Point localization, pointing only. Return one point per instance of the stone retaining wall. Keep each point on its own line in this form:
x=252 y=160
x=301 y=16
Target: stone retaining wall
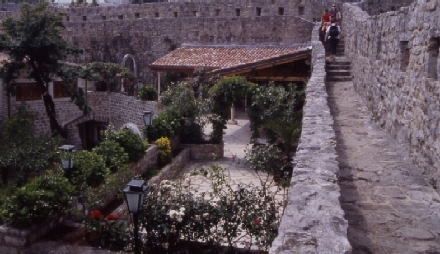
x=205 y=151
x=396 y=68
x=313 y=221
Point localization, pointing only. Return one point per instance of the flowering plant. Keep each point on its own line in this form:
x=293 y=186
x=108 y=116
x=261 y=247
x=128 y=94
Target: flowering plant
x=105 y=231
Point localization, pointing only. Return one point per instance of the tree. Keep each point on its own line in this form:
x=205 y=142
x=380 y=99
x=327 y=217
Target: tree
x=34 y=41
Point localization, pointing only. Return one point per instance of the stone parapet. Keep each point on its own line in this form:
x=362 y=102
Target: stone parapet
x=173 y=169
x=313 y=220
x=395 y=66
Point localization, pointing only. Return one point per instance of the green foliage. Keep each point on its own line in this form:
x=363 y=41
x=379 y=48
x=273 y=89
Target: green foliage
x=132 y=143
x=167 y=124
x=165 y=155
x=41 y=199
x=89 y=170
x=107 y=76
x=285 y=135
x=222 y=95
x=21 y=149
x=147 y=93
x=107 y=232
x=114 y=155
x=275 y=103
x=227 y=214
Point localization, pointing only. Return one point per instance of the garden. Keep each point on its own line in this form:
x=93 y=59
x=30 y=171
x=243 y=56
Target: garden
x=175 y=218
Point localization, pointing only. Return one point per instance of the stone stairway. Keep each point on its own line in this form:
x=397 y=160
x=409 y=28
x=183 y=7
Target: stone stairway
x=340 y=69
x=389 y=205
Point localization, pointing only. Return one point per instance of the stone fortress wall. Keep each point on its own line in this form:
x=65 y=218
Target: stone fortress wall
x=396 y=68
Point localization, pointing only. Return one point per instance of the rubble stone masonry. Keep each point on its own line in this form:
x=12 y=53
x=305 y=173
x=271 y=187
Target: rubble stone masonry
x=396 y=68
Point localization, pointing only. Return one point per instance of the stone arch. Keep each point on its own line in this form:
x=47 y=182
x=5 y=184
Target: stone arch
x=73 y=128
x=124 y=61
x=133 y=128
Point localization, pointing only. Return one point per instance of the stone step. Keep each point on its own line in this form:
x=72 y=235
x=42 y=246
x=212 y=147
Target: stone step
x=338 y=73
x=339 y=79
x=330 y=66
x=337 y=62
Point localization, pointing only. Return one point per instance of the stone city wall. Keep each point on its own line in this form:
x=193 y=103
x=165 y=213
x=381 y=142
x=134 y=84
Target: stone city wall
x=375 y=7
x=396 y=67
x=313 y=220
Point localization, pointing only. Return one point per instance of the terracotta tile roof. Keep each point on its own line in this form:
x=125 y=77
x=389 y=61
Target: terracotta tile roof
x=222 y=57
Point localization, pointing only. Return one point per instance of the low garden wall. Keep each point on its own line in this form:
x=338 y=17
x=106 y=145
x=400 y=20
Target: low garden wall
x=205 y=151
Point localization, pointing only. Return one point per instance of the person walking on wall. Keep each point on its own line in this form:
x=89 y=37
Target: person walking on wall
x=332 y=38
x=325 y=17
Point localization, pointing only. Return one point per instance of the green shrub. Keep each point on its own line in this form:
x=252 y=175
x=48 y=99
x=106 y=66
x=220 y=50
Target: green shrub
x=165 y=156
x=132 y=144
x=114 y=155
x=147 y=93
x=89 y=168
x=167 y=124
x=42 y=198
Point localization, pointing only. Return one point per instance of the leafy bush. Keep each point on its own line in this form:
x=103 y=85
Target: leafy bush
x=226 y=215
x=147 y=93
x=42 y=198
x=89 y=169
x=132 y=143
x=167 y=124
x=165 y=155
x=105 y=231
x=113 y=154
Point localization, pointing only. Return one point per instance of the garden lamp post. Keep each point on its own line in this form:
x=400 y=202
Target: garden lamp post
x=67 y=153
x=148 y=120
x=134 y=196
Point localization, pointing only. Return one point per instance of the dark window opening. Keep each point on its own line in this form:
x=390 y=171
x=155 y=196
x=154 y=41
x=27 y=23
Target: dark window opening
x=67 y=18
x=175 y=14
x=104 y=17
x=217 y=12
x=393 y=8
x=237 y=12
x=84 y=18
x=120 y=17
x=281 y=11
x=301 y=10
x=433 y=53
x=27 y=92
x=195 y=13
x=156 y=14
x=258 y=11
x=137 y=15
x=404 y=55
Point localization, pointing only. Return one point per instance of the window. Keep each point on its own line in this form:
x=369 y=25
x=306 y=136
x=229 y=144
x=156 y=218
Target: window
x=120 y=17
x=301 y=10
x=60 y=90
x=217 y=12
x=258 y=11
x=67 y=18
x=84 y=18
x=137 y=15
x=175 y=14
x=237 y=12
x=103 y=17
x=404 y=55
x=433 y=52
x=28 y=92
x=156 y=14
x=281 y=11
x=195 y=13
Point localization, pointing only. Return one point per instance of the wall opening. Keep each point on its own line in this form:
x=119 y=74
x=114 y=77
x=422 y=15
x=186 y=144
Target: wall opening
x=217 y=12
x=103 y=17
x=301 y=10
x=237 y=12
x=67 y=18
x=137 y=15
x=258 y=11
x=84 y=18
x=195 y=13
x=404 y=55
x=175 y=14
x=156 y=14
x=433 y=59
x=281 y=11
x=120 y=17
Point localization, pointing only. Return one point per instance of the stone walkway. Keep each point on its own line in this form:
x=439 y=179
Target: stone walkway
x=390 y=207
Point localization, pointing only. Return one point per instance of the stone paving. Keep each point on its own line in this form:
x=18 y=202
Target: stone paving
x=389 y=205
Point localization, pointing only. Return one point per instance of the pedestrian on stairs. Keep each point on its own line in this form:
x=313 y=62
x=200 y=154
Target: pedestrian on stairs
x=332 y=39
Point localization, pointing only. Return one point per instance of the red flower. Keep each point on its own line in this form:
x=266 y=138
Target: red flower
x=112 y=217
x=257 y=221
x=96 y=214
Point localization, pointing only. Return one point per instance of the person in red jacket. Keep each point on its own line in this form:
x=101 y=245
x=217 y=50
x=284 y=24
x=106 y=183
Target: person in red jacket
x=325 y=16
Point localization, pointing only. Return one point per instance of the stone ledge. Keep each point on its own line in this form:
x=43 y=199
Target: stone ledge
x=313 y=220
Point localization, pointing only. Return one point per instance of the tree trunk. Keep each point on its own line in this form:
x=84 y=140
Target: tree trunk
x=51 y=113
x=5 y=173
